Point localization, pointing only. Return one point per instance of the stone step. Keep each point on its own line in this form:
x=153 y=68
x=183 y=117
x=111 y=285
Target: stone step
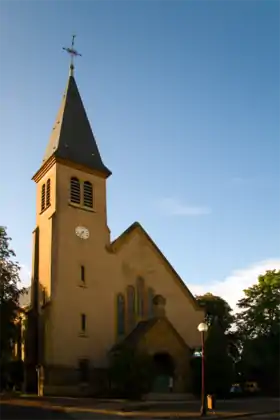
x=168 y=396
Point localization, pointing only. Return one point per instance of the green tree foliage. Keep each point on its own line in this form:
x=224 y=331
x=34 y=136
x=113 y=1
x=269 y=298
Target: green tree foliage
x=260 y=307
x=219 y=365
x=131 y=373
x=216 y=310
x=220 y=349
x=9 y=296
x=259 y=328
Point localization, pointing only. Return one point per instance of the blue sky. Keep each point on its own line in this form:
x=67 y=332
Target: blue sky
x=183 y=97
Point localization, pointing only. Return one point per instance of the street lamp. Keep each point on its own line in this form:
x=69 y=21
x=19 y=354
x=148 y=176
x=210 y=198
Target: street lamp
x=202 y=328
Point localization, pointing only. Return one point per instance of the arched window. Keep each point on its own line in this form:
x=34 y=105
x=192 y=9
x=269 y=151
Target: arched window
x=120 y=315
x=43 y=197
x=151 y=294
x=75 y=191
x=88 y=198
x=131 y=306
x=48 y=193
x=140 y=296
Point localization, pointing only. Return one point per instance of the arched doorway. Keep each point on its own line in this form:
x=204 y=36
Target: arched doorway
x=164 y=369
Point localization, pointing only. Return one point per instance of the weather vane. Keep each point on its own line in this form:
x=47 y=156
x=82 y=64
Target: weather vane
x=73 y=53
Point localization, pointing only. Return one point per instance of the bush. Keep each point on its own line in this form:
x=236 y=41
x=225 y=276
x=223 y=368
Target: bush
x=131 y=373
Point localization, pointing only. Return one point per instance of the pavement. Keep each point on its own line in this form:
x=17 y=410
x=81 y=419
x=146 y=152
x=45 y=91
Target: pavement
x=10 y=412
x=87 y=408
x=272 y=416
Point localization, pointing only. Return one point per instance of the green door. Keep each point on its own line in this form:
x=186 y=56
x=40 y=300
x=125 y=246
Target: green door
x=161 y=384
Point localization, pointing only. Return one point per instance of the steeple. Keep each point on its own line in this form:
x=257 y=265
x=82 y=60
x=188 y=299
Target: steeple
x=72 y=138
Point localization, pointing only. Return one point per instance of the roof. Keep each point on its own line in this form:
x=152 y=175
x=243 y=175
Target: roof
x=124 y=237
x=141 y=329
x=72 y=138
x=132 y=339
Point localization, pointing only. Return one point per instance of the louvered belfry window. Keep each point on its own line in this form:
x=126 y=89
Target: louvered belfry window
x=88 y=194
x=48 y=193
x=75 y=191
x=43 y=197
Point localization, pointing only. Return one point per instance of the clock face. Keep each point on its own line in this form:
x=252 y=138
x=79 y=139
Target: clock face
x=82 y=232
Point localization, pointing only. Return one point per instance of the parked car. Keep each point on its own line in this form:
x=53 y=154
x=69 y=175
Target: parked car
x=251 y=387
x=236 y=389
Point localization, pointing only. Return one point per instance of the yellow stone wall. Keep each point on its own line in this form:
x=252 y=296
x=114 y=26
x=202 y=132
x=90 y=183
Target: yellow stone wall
x=109 y=271
x=162 y=339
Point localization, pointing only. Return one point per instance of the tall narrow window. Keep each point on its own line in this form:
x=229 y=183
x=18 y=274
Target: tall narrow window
x=75 y=191
x=48 y=193
x=88 y=196
x=83 y=279
x=43 y=197
x=83 y=322
x=120 y=314
x=140 y=297
x=131 y=306
x=151 y=294
x=84 y=370
x=43 y=296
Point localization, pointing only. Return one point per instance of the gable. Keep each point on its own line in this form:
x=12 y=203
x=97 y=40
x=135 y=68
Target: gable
x=164 y=334
x=130 y=233
x=152 y=328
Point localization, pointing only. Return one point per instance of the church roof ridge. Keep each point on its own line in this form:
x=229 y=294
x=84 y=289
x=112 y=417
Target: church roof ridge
x=117 y=244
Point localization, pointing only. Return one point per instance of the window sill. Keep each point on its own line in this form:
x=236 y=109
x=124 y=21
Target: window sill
x=46 y=208
x=79 y=206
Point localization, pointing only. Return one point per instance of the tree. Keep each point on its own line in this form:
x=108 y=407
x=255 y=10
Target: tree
x=259 y=327
x=9 y=297
x=131 y=372
x=260 y=307
x=216 y=310
x=220 y=349
x=218 y=362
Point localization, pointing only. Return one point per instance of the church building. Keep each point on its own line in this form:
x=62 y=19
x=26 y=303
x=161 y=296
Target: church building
x=89 y=293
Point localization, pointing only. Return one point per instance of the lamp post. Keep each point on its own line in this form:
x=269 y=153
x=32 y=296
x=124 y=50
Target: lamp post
x=202 y=328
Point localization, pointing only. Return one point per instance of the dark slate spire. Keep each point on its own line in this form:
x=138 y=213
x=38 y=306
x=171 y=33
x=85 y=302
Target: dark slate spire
x=72 y=138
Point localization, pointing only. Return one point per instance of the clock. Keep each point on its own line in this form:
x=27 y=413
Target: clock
x=82 y=232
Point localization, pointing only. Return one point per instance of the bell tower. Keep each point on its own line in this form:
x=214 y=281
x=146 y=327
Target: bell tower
x=71 y=235
x=71 y=185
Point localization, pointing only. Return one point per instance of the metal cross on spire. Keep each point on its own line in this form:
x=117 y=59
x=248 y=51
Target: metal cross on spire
x=73 y=53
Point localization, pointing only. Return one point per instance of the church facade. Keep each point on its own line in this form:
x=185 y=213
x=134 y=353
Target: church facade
x=88 y=292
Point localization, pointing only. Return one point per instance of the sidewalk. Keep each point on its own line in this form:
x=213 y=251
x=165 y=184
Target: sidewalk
x=145 y=409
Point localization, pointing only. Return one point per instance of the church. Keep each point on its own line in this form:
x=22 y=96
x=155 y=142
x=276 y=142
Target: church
x=89 y=293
